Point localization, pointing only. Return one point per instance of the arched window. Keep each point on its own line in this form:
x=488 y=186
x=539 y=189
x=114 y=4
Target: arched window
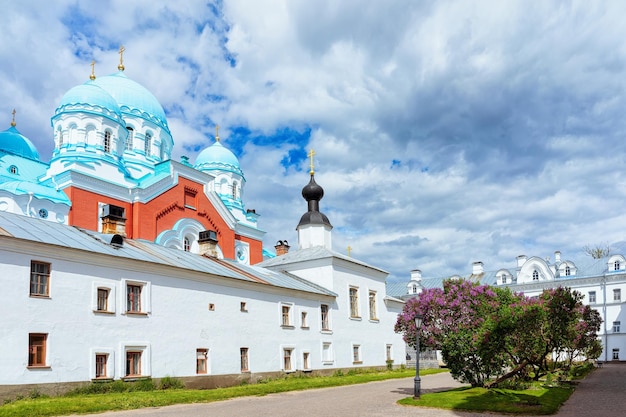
x=504 y=278
x=617 y=265
x=535 y=275
x=186 y=244
x=148 y=144
x=107 y=141
x=13 y=169
x=568 y=271
x=414 y=288
x=129 y=138
x=162 y=151
x=234 y=190
x=60 y=134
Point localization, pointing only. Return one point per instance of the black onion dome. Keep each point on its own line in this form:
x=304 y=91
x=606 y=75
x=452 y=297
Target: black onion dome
x=313 y=193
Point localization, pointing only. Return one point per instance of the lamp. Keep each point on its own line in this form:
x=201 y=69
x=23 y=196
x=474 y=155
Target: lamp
x=417 y=381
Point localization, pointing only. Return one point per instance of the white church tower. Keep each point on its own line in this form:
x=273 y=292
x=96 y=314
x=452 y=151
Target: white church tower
x=314 y=227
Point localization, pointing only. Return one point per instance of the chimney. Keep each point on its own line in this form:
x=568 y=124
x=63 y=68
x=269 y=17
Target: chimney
x=113 y=220
x=282 y=247
x=477 y=268
x=416 y=275
x=207 y=240
x=521 y=260
x=557 y=256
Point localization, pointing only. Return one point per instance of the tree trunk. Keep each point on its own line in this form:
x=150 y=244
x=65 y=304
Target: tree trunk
x=508 y=375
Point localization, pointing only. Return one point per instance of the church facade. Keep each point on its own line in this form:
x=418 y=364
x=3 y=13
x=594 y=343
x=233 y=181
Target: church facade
x=120 y=263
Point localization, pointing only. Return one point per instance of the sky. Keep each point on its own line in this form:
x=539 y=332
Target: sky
x=445 y=132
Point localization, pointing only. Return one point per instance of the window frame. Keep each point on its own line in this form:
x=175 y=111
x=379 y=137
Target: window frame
x=244 y=359
x=144 y=297
x=147 y=144
x=107 y=141
x=36 y=278
x=101 y=366
x=617 y=295
x=356 y=354
x=202 y=361
x=286 y=315
x=37 y=350
x=389 y=352
x=325 y=318
x=617 y=326
x=372 y=301
x=110 y=301
x=306 y=360
x=288 y=355
x=535 y=275
x=136 y=356
x=353 y=298
x=592 y=297
x=128 y=145
x=304 y=320
x=328 y=354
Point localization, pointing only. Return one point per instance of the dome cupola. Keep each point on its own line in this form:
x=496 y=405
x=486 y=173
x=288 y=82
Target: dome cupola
x=218 y=158
x=12 y=141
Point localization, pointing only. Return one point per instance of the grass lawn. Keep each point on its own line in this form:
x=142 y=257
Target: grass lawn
x=535 y=400
x=97 y=403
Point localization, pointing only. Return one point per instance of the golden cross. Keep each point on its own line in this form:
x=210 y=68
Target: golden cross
x=121 y=52
x=217 y=133
x=13 y=121
x=93 y=70
x=349 y=249
x=311 y=154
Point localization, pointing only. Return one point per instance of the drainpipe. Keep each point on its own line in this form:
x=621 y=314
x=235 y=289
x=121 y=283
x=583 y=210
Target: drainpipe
x=606 y=336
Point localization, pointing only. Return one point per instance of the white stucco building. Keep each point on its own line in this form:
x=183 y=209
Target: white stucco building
x=602 y=282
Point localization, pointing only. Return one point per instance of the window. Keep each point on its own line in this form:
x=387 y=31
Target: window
x=615 y=354
x=101 y=365
x=37 y=349
x=186 y=244
x=133 y=363
x=325 y=317
x=568 y=271
x=504 y=278
x=535 y=276
x=13 y=169
x=354 y=302
x=133 y=298
x=616 y=326
x=286 y=315
x=372 y=304
x=388 y=353
x=107 y=141
x=190 y=199
x=617 y=294
x=287 y=364
x=243 y=353
x=327 y=352
x=305 y=361
x=234 y=190
x=39 y=278
x=202 y=361
x=242 y=307
x=356 y=354
x=148 y=144
x=616 y=265
x=103 y=299
x=414 y=289
x=592 y=297
x=304 y=323
x=129 y=138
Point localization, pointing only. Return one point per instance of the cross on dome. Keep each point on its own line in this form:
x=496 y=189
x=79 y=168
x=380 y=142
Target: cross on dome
x=311 y=154
x=121 y=52
x=93 y=70
x=13 y=120
x=217 y=133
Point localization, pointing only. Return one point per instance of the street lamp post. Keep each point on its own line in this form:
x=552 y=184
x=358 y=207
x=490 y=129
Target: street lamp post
x=417 y=382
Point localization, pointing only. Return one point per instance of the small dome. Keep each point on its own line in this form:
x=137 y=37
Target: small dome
x=92 y=96
x=133 y=98
x=217 y=157
x=312 y=191
x=14 y=142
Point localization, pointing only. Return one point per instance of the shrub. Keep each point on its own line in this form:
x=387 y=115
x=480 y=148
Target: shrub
x=169 y=382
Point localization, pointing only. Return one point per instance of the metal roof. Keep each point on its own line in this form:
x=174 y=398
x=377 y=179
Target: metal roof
x=51 y=233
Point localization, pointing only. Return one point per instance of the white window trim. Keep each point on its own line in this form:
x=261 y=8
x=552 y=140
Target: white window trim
x=294 y=356
x=146 y=298
x=374 y=319
x=302 y=352
x=144 y=348
x=110 y=300
x=304 y=324
x=330 y=319
x=110 y=362
x=390 y=347
x=358 y=303
x=291 y=324
x=360 y=352
x=331 y=359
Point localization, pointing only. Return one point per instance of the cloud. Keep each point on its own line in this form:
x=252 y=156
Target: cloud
x=446 y=132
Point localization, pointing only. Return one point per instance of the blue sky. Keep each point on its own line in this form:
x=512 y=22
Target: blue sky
x=446 y=132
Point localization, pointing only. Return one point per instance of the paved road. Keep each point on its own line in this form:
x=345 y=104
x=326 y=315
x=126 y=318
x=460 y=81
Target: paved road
x=602 y=394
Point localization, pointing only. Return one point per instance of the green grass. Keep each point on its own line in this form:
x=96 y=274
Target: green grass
x=536 y=400
x=114 y=401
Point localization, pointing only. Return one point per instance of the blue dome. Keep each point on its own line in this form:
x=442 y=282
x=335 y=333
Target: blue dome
x=13 y=142
x=132 y=98
x=92 y=96
x=217 y=157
